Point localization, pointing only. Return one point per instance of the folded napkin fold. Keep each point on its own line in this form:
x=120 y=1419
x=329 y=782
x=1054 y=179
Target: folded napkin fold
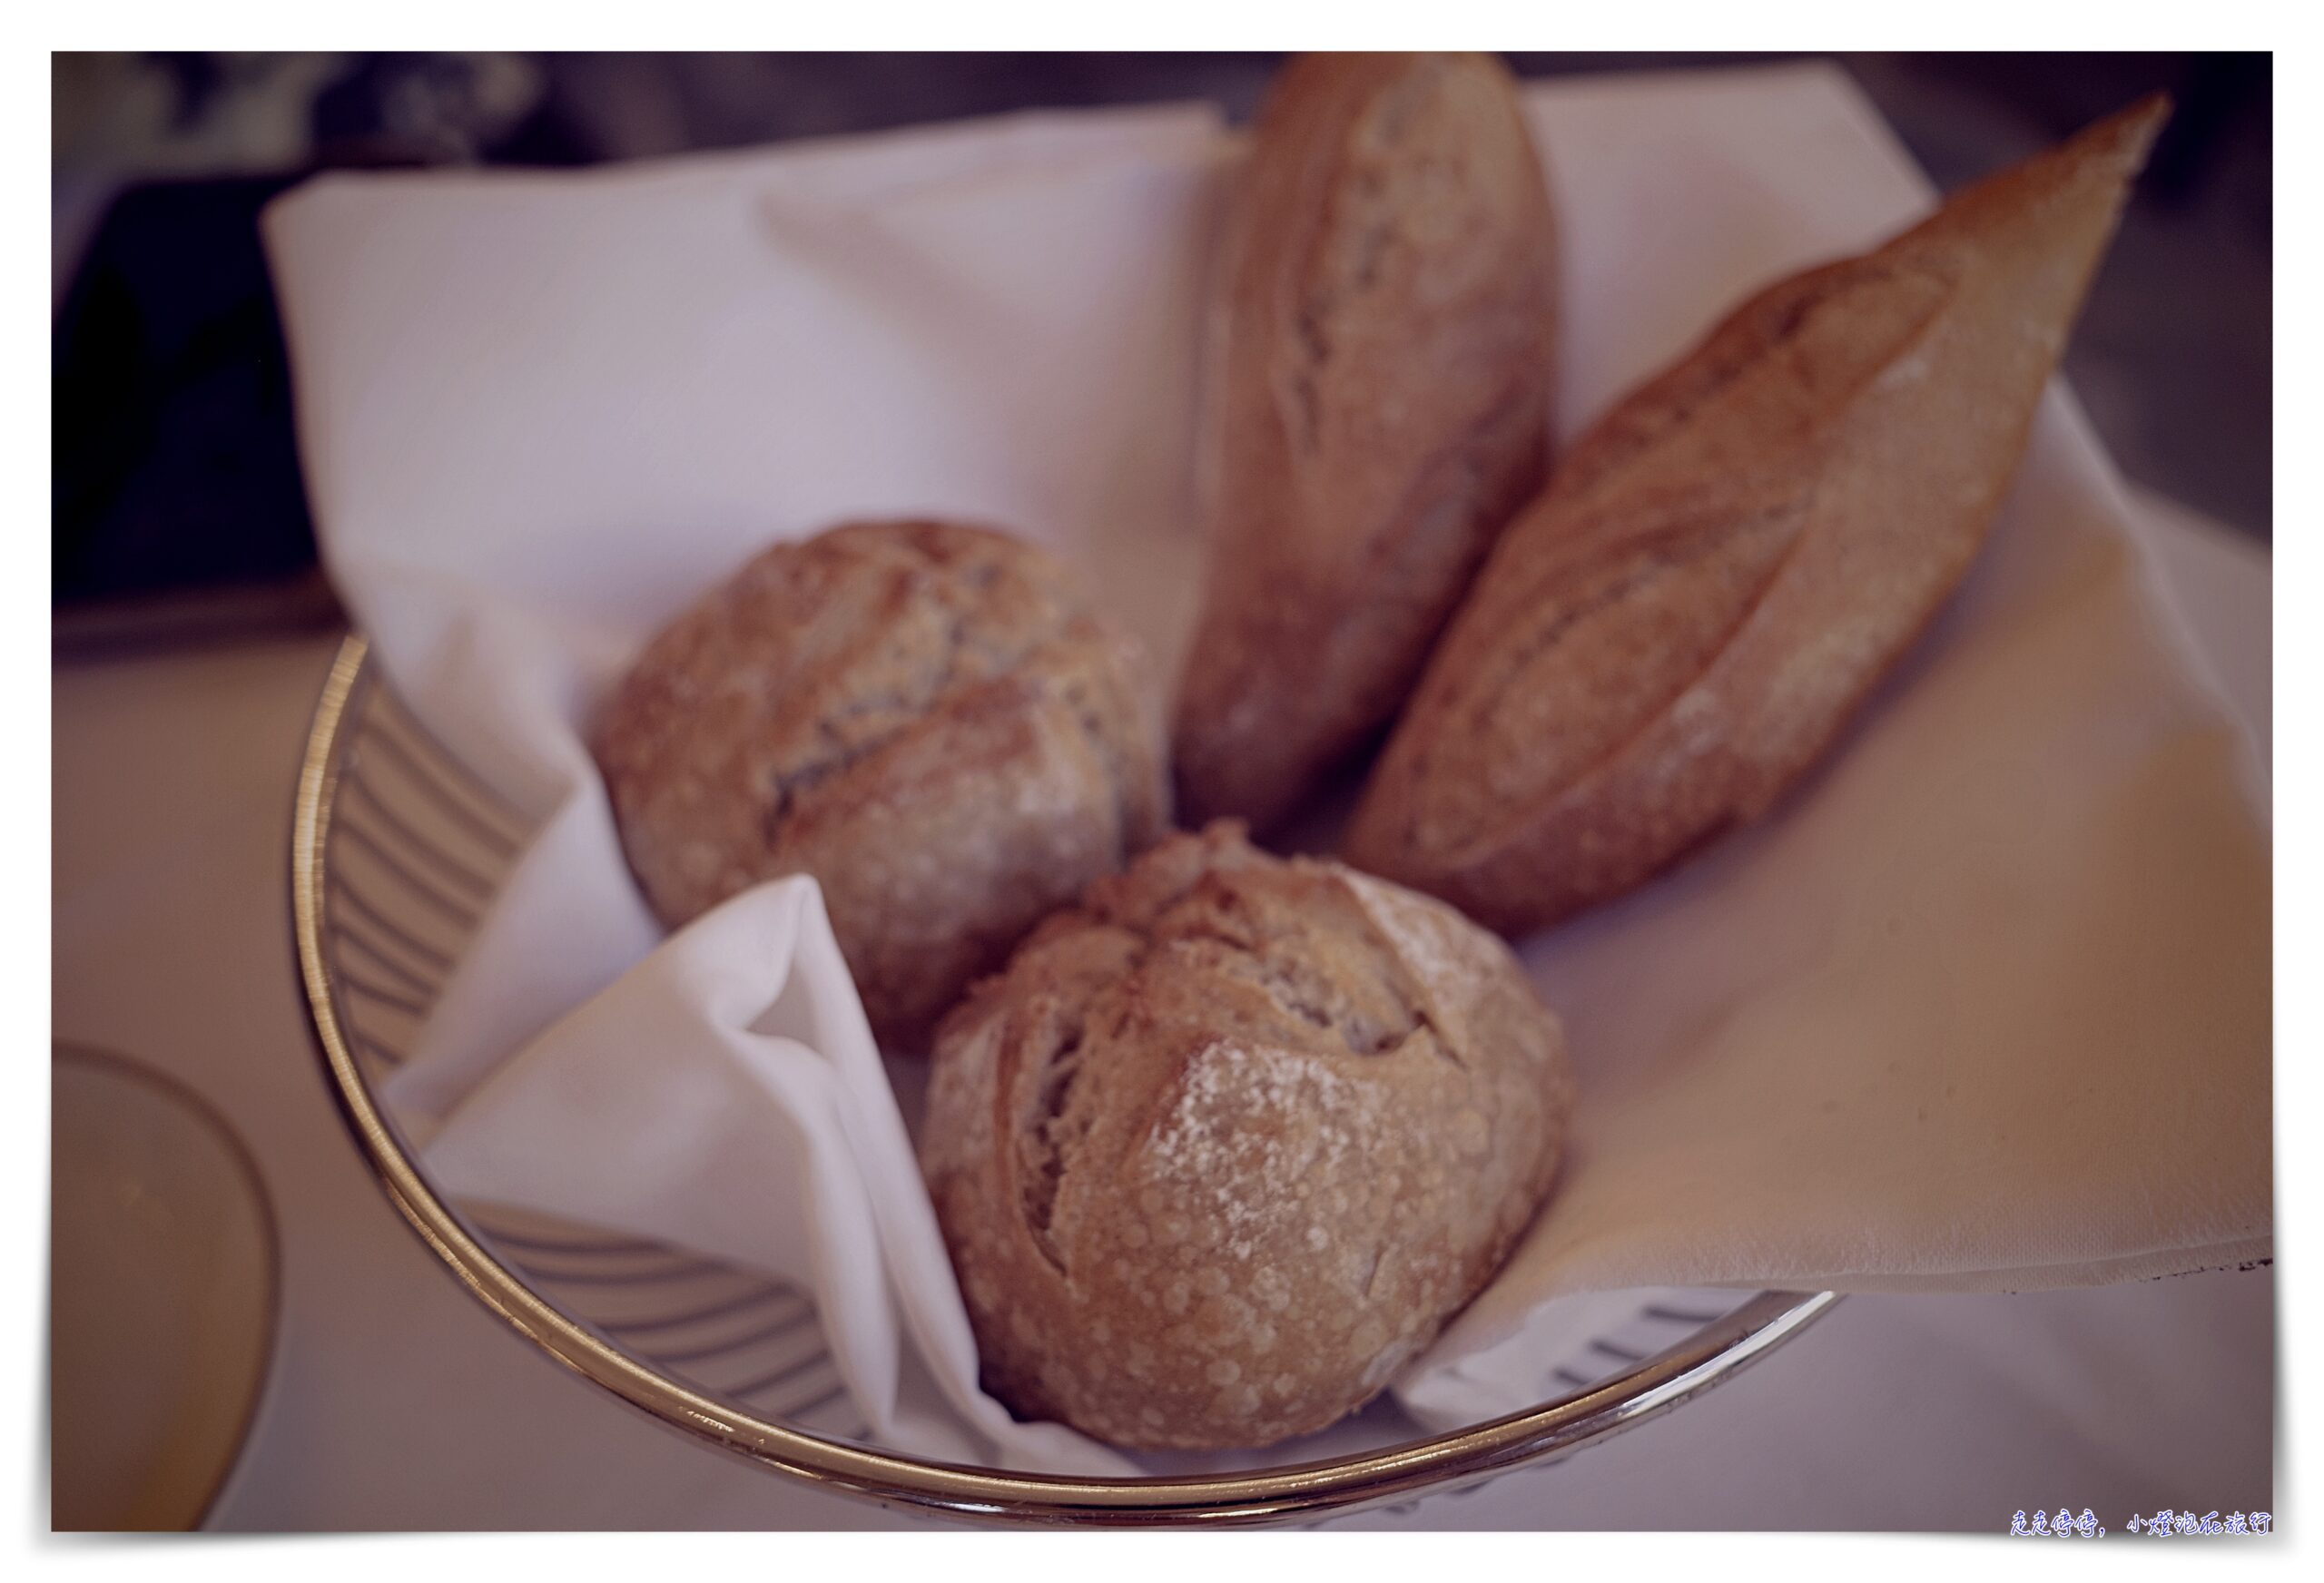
x=1985 y=1005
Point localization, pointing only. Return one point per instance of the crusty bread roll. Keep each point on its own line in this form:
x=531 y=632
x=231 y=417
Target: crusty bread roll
x=923 y=716
x=1380 y=407
x=1729 y=559
x=1227 y=1144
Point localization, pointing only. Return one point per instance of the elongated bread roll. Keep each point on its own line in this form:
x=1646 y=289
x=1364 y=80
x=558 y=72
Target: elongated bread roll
x=1729 y=561
x=1381 y=408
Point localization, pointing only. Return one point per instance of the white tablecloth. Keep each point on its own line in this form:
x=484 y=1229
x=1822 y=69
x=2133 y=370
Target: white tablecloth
x=397 y=1402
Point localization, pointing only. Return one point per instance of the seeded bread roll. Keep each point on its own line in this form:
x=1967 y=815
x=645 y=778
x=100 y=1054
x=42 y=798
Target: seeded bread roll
x=1732 y=557
x=924 y=716
x=1226 y=1146
x=1387 y=314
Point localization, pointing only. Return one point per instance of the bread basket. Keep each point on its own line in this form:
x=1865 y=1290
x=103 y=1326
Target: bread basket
x=396 y=853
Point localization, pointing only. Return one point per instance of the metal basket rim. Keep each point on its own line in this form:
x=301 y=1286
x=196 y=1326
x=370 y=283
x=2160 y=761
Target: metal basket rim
x=1713 y=1354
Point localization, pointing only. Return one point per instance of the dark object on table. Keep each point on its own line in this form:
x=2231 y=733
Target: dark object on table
x=176 y=469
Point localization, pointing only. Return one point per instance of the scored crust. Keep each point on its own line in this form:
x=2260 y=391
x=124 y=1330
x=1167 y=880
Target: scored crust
x=1387 y=317
x=922 y=715
x=1226 y=1147
x=1723 y=567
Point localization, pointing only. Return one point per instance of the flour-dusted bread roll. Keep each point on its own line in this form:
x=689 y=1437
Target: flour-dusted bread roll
x=923 y=716
x=1380 y=407
x=1728 y=562
x=1229 y=1144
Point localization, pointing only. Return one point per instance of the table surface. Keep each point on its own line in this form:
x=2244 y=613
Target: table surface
x=397 y=1402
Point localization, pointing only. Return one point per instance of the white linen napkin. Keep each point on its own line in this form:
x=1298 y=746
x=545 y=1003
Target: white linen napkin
x=1986 y=1005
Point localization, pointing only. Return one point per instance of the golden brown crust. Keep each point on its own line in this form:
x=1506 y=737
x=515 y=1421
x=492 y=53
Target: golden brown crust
x=1388 y=302
x=1226 y=1145
x=1729 y=561
x=922 y=715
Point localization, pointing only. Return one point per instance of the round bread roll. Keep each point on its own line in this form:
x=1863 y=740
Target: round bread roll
x=924 y=716
x=1226 y=1145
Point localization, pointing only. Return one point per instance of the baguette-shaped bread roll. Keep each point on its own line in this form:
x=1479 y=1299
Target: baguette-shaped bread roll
x=1381 y=408
x=1728 y=562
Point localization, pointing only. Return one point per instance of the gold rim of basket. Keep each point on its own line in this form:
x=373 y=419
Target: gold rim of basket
x=1465 y=1457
